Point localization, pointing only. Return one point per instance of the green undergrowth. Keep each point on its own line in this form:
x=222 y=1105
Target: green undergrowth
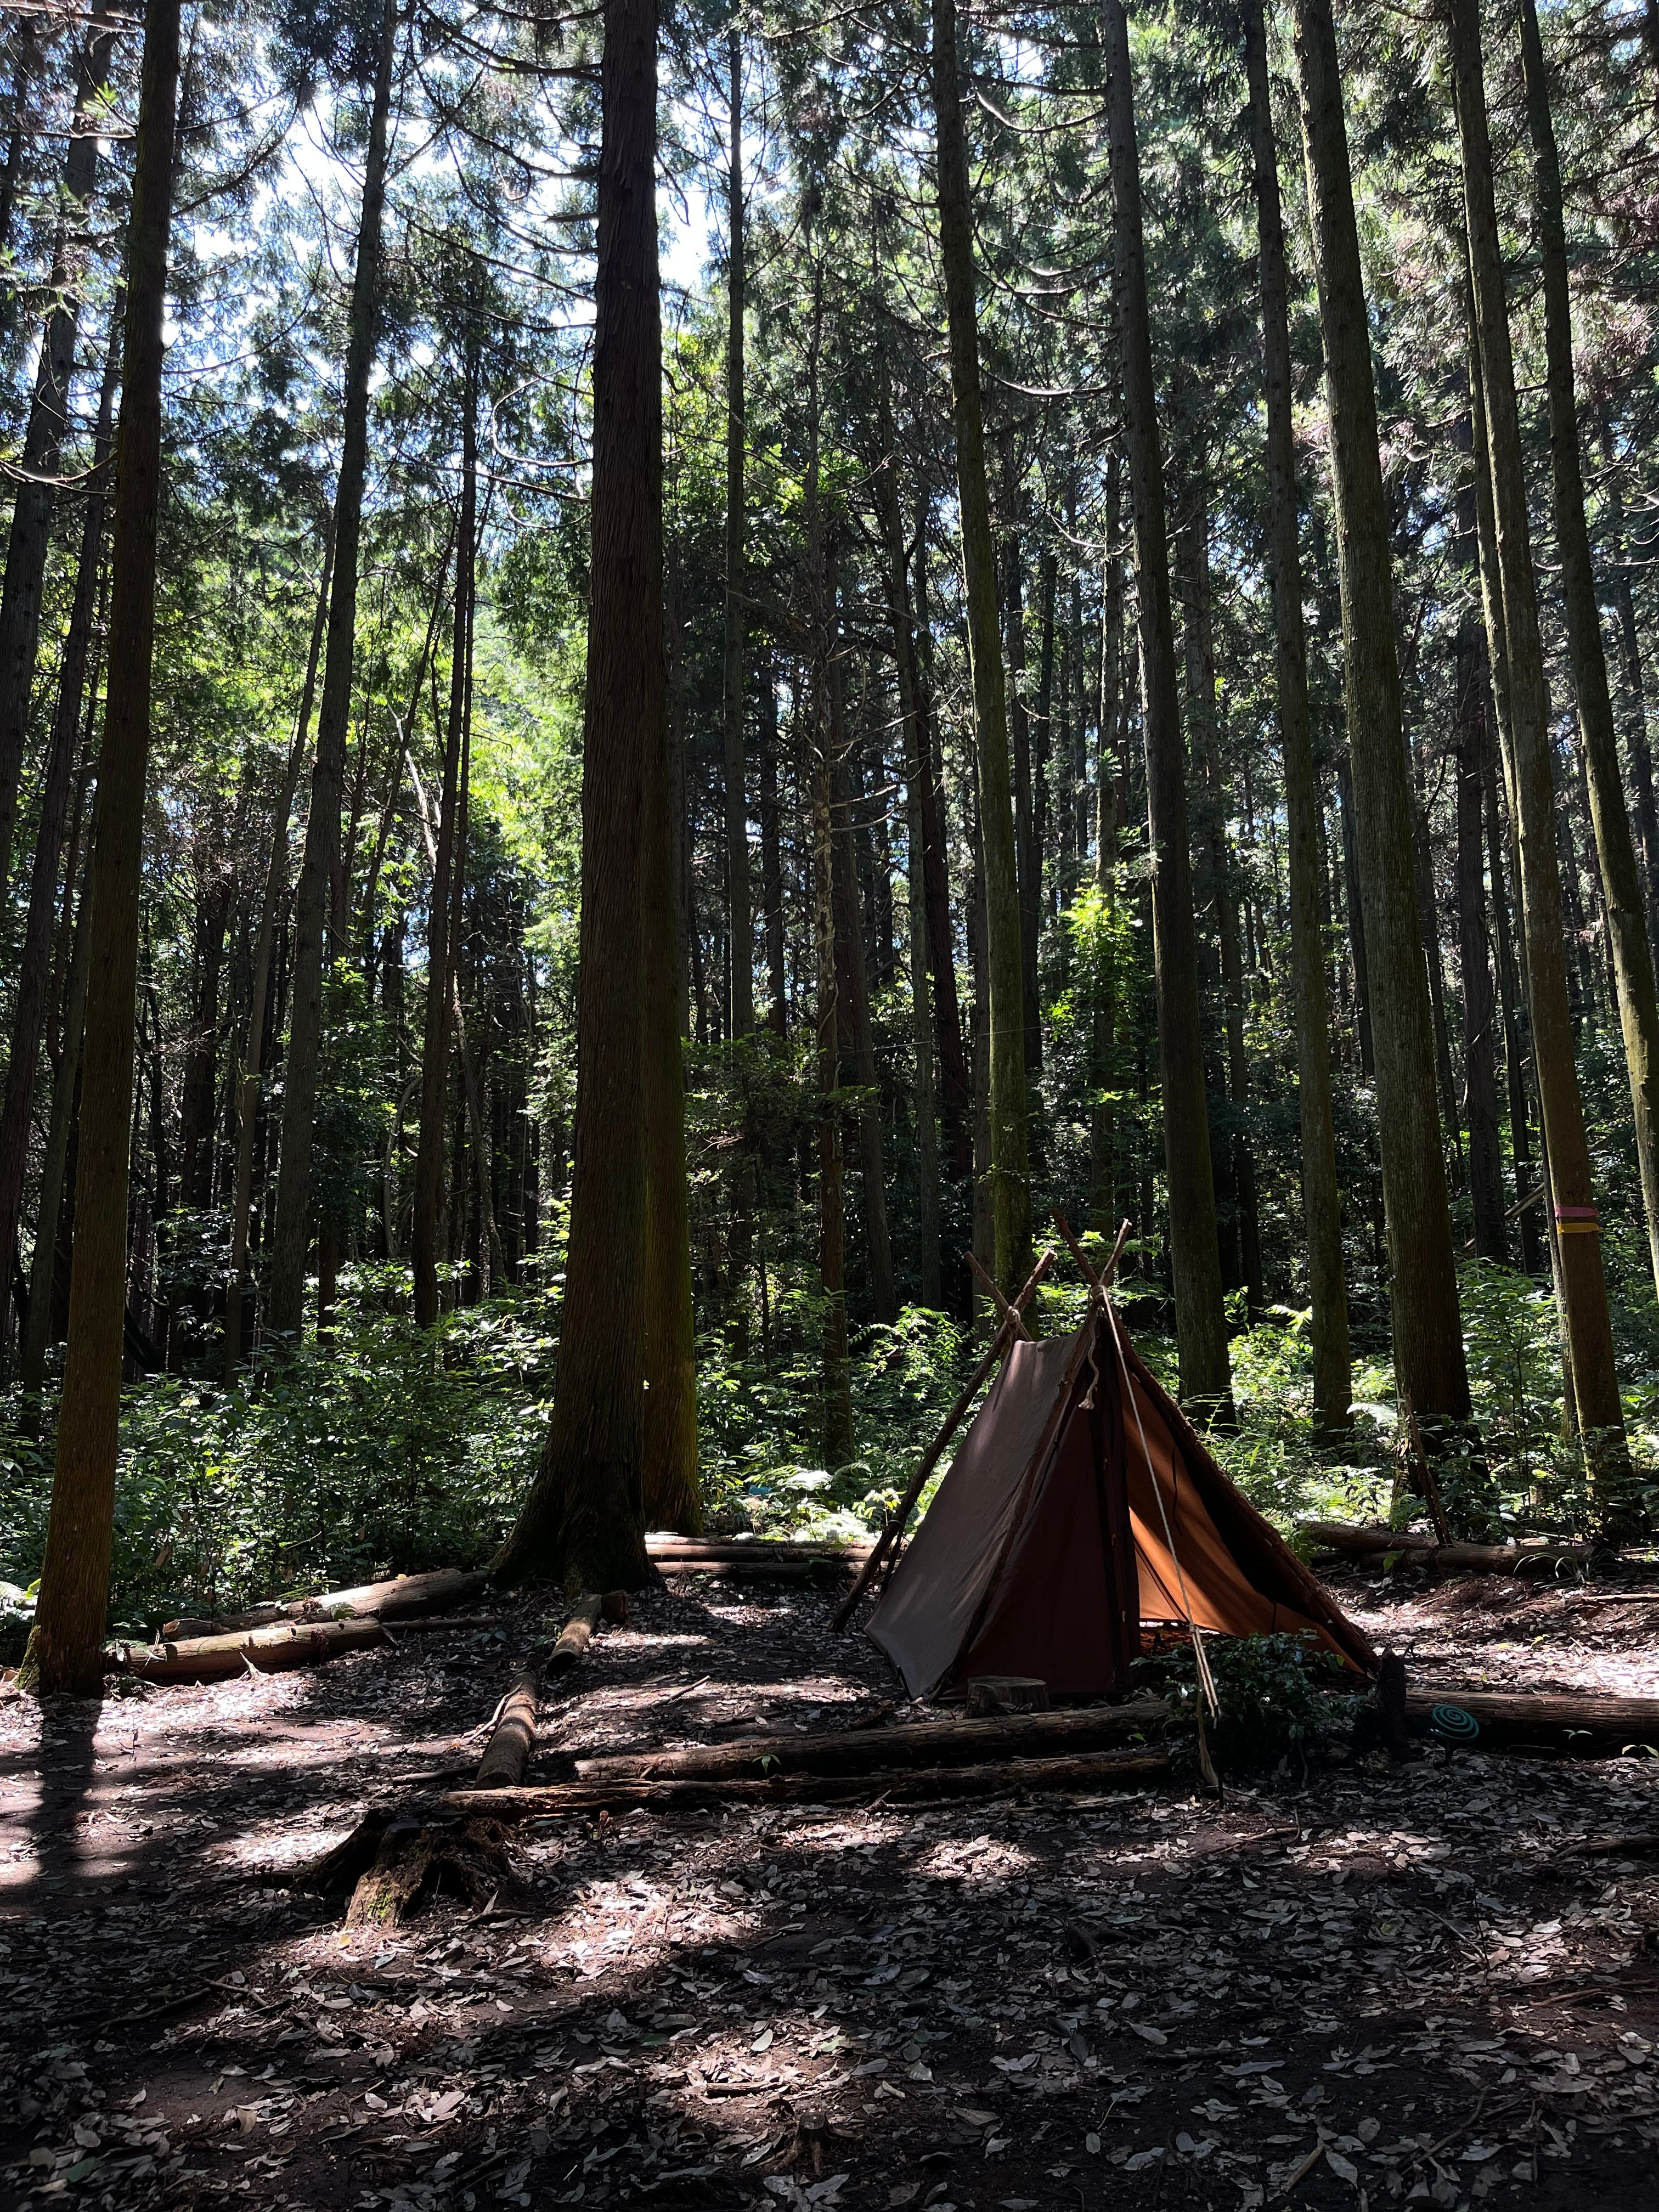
x=384 y=1450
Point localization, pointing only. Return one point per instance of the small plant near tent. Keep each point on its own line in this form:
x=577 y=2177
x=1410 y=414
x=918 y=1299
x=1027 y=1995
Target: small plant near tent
x=1282 y=1697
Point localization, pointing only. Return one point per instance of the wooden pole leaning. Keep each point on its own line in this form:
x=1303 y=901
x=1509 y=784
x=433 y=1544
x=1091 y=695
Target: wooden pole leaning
x=970 y=1390
x=1098 y=1284
x=988 y=1284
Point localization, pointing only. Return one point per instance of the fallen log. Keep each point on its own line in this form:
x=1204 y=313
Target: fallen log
x=404 y=1597
x=757 y=1571
x=930 y=1744
x=514 y=1737
x=664 y=1548
x=1571 y=1724
x=261 y=1650
x=1428 y=1551
x=1101 y=1769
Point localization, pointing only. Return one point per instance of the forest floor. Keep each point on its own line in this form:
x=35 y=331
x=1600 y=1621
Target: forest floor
x=1366 y=1986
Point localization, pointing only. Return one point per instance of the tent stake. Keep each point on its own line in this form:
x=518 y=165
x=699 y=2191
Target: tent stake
x=964 y=1398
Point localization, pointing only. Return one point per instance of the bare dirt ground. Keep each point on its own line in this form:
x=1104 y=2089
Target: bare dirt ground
x=1356 y=1987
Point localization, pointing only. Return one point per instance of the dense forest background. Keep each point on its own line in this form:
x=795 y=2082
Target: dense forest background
x=397 y=784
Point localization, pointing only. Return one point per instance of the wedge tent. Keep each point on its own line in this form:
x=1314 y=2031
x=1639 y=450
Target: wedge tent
x=1081 y=1508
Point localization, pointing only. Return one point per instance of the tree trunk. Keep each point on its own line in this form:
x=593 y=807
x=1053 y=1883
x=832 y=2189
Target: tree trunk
x=36 y=494
x=670 y=1491
x=1028 y=853
x=1586 y=1318
x=34 y=964
x=440 y=963
x=1635 y=687
x=740 y=930
x=1010 y=1190
x=275 y=892
x=772 y=854
x=1479 y=1015
x=1108 y=824
x=1332 y=1369
x=1206 y=744
x=18 y=137
x=51 y=1221
x=585 y=1513
x=955 y=1088
x=1622 y=881
x=1429 y=1369
x=849 y=931
x=286 y=1282
x=1194 y=1250
x=65 y=1651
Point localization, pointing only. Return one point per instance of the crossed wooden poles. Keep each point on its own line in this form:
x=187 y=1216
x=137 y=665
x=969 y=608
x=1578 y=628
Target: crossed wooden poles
x=1012 y=1327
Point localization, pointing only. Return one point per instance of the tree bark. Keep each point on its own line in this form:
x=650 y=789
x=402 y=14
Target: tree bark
x=1332 y=1367
x=65 y=1651
x=1635 y=687
x=585 y=1514
x=740 y=927
x=849 y=919
x=1206 y=744
x=1585 y=1316
x=285 y=1284
x=1622 y=881
x=1108 y=824
x=1010 y=1192
x=49 y=1221
x=777 y=1016
x=1430 y=1368
x=14 y=168
x=955 y=1087
x=434 y=1051
x=1028 y=852
x=28 y=1020
x=1479 y=1012
x=1194 y=1250
x=36 y=495
x=671 y=1491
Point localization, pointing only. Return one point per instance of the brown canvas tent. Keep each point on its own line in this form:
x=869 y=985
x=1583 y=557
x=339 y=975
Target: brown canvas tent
x=1081 y=1504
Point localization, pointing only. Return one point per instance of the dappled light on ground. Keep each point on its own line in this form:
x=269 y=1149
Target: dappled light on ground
x=1356 y=1987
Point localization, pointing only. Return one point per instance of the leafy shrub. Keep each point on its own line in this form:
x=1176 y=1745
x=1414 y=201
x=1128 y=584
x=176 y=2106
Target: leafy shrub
x=1281 y=1697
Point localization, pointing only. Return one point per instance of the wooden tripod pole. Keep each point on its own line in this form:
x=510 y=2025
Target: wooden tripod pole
x=964 y=1398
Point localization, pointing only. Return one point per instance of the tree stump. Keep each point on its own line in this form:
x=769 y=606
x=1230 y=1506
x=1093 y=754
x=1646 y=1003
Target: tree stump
x=1006 y=1693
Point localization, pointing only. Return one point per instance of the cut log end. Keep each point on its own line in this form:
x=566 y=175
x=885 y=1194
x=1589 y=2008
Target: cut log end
x=988 y=1694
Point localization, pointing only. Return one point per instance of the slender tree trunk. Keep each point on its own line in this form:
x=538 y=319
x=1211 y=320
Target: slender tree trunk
x=66 y=1651
x=832 y=1271
x=1208 y=744
x=1010 y=1182
x=740 y=927
x=1430 y=1368
x=669 y=1488
x=1428 y=921
x=51 y=1220
x=34 y=964
x=36 y=494
x=1622 y=881
x=435 y=1053
x=18 y=135
x=1510 y=1000
x=884 y=1299
x=1028 y=853
x=955 y=1087
x=1332 y=1369
x=1635 y=687
x=772 y=854
x=585 y=1513
x=275 y=892
x=1586 y=1318
x=1194 y=1249
x=921 y=1015
x=285 y=1284
x=1479 y=1014
x=1108 y=824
